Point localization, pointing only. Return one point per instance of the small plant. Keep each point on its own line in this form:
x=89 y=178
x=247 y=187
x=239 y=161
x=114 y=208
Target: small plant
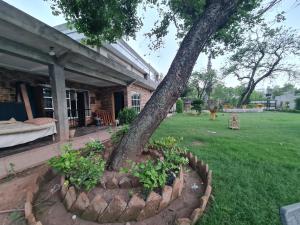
x=94 y=145
x=179 y=106
x=84 y=172
x=197 y=105
x=163 y=143
x=174 y=159
x=127 y=115
x=118 y=135
x=173 y=153
x=17 y=218
x=151 y=174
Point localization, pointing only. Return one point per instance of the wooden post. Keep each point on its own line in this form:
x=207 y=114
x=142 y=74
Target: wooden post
x=26 y=101
x=58 y=87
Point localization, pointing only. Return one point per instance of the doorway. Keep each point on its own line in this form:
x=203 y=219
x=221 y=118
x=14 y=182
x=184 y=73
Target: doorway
x=81 y=108
x=119 y=102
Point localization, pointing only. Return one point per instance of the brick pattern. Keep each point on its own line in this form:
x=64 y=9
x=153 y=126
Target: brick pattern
x=8 y=83
x=38 y=181
x=145 y=94
x=206 y=176
x=120 y=210
x=154 y=204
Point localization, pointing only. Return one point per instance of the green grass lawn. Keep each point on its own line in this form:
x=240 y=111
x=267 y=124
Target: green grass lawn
x=256 y=170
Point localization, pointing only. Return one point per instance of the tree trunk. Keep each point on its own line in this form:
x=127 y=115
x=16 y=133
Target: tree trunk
x=245 y=97
x=215 y=15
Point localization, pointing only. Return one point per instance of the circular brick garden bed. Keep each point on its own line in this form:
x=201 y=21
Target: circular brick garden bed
x=118 y=200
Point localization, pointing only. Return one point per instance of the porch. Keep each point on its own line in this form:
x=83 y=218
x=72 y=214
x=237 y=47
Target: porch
x=60 y=77
x=38 y=155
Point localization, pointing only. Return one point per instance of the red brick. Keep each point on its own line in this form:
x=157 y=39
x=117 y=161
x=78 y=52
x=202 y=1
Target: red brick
x=197 y=213
x=166 y=197
x=183 y=221
x=70 y=198
x=81 y=203
x=96 y=208
x=151 y=206
x=176 y=189
x=113 y=211
x=135 y=205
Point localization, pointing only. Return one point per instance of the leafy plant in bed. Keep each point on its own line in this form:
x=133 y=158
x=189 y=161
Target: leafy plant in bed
x=82 y=169
x=154 y=174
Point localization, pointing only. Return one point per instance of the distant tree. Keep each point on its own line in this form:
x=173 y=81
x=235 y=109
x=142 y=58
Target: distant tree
x=297 y=101
x=263 y=55
x=227 y=95
x=203 y=82
x=257 y=96
x=288 y=87
x=179 y=106
x=197 y=105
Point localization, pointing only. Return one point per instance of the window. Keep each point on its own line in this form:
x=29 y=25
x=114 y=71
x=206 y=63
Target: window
x=72 y=103
x=48 y=103
x=71 y=97
x=136 y=102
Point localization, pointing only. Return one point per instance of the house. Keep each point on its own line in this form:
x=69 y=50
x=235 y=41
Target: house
x=46 y=72
x=287 y=100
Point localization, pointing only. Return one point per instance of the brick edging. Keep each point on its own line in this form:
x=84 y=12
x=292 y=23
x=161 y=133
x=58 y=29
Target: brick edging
x=31 y=194
x=206 y=175
x=135 y=209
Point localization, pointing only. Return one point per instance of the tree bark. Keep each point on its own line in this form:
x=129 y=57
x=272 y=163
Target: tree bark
x=215 y=16
x=245 y=97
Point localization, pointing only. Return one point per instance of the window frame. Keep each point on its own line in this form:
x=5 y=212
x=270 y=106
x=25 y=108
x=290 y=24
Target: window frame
x=136 y=98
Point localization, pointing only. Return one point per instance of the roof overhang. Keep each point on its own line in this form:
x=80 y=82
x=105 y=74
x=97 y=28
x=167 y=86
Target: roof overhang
x=25 y=43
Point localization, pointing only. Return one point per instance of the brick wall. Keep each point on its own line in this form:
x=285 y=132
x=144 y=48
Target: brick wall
x=8 y=83
x=106 y=98
x=135 y=89
x=7 y=90
x=100 y=98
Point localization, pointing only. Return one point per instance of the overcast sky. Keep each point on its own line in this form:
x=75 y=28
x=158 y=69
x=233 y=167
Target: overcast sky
x=162 y=58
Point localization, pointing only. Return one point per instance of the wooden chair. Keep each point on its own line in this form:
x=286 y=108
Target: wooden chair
x=105 y=116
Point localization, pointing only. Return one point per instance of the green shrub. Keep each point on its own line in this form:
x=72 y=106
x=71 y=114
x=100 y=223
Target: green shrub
x=94 y=145
x=174 y=155
x=127 y=115
x=151 y=174
x=173 y=160
x=162 y=143
x=154 y=174
x=197 y=105
x=297 y=101
x=179 y=106
x=84 y=172
x=118 y=135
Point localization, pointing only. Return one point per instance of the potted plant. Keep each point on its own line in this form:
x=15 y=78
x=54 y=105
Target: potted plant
x=72 y=131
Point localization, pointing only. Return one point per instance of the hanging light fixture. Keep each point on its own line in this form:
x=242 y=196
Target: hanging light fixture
x=51 y=51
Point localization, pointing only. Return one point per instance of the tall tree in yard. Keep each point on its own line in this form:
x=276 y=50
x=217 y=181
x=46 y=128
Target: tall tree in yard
x=263 y=56
x=202 y=82
x=198 y=23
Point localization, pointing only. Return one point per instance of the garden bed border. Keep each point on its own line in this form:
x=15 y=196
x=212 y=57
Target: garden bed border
x=145 y=209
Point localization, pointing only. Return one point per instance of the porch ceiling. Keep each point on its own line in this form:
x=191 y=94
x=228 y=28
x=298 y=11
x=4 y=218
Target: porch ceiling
x=35 y=68
x=25 y=43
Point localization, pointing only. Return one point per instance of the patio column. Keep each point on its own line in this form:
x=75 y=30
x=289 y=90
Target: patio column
x=58 y=87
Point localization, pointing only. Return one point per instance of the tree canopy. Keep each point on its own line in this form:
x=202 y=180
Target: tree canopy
x=263 y=55
x=110 y=20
